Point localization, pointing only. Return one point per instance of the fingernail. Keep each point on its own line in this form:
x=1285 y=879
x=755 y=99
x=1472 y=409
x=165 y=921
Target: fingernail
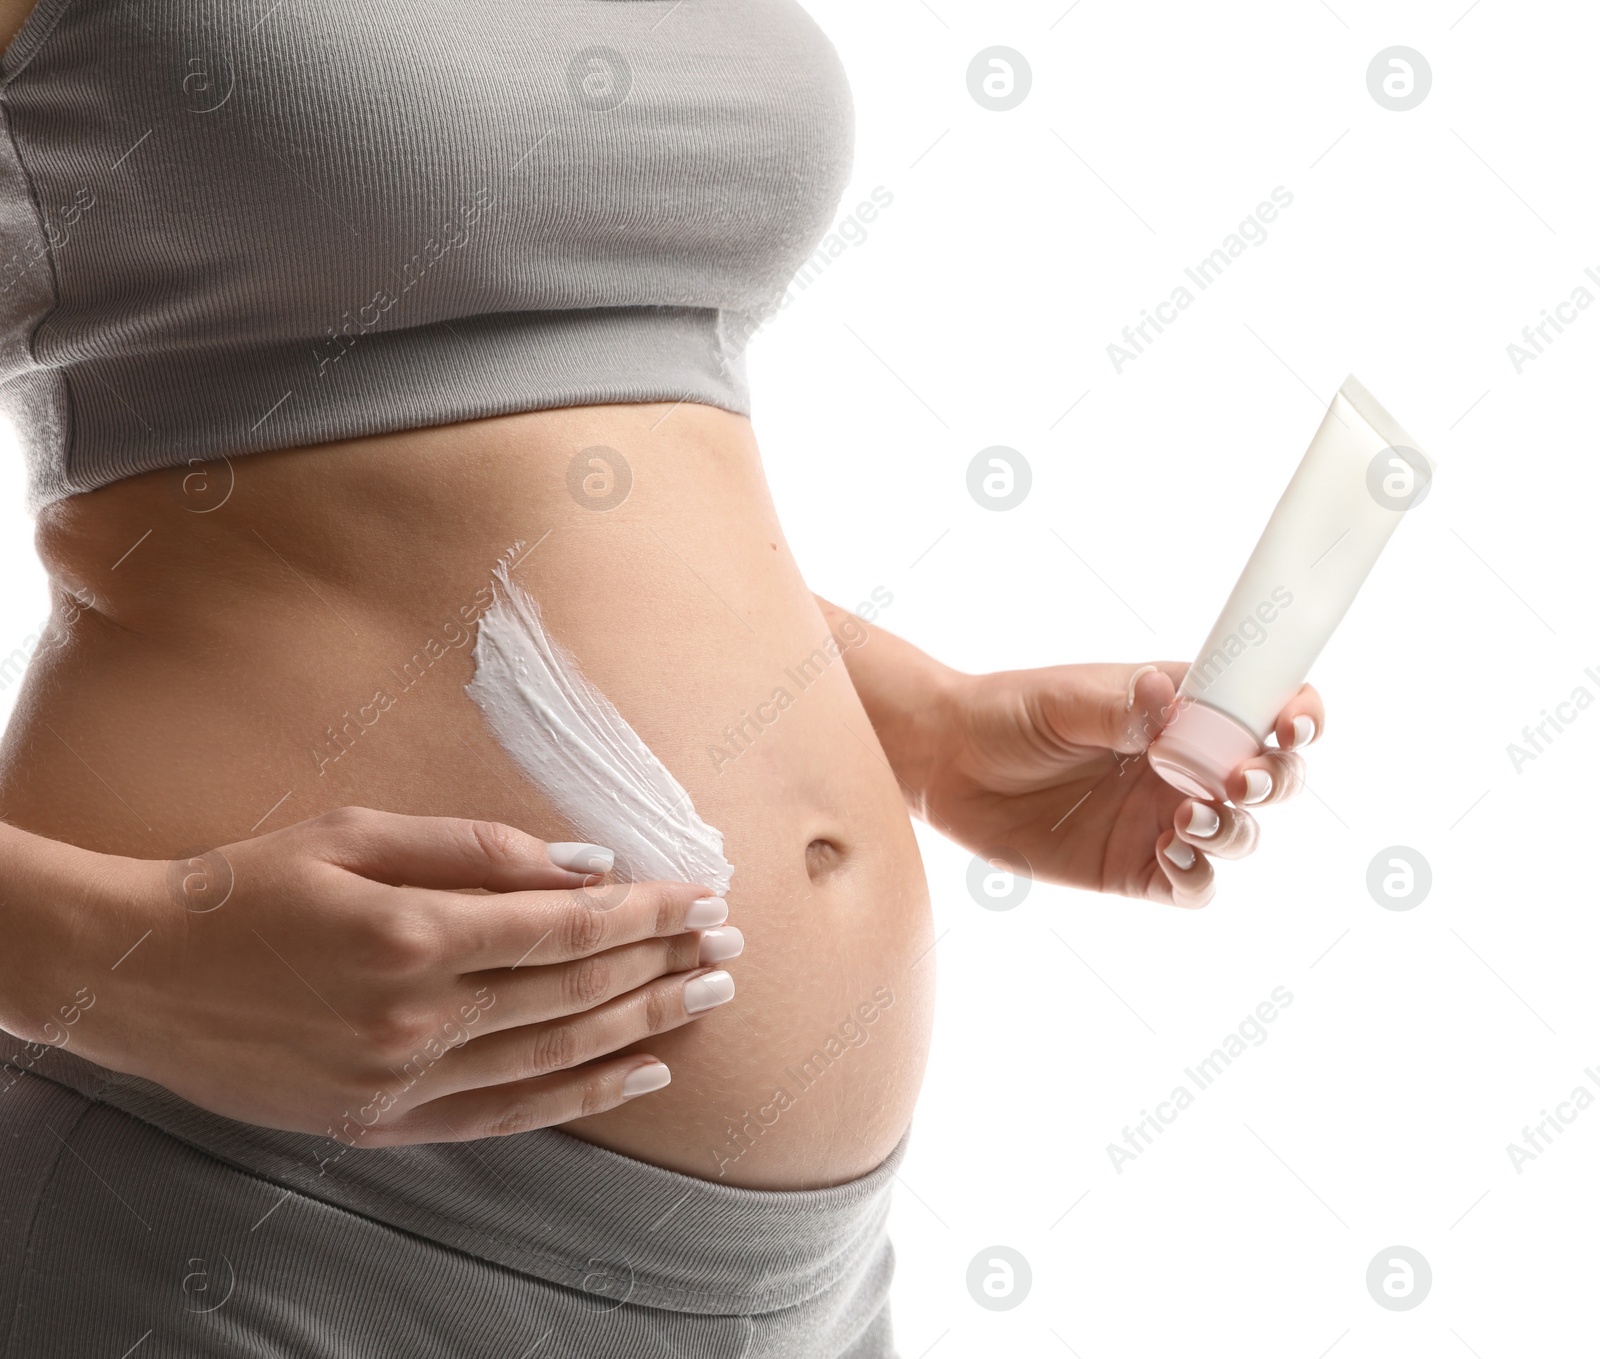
x=705 y=912
x=580 y=858
x=1133 y=681
x=1305 y=727
x=1180 y=854
x=715 y=988
x=717 y=946
x=1203 y=820
x=643 y=1079
x=1257 y=785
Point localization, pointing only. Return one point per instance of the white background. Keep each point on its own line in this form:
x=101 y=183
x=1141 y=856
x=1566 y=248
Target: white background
x=977 y=311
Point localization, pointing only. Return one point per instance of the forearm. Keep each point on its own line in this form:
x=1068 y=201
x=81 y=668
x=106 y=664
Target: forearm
x=906 y=692
x=52 y=905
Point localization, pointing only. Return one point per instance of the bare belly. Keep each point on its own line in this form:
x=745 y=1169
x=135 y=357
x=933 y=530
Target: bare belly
x=268 y=641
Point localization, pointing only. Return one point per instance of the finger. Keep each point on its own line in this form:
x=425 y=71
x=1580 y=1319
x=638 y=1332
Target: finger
x=1189 y=880
x=1119 y=707
x=1151 y=700
x=1272 y=776
x=539 y=929
x=446 y=852
x=535 y=995
x=1223 y=832
x=1301 y=721
x=540 y=1049
x=522 y=1106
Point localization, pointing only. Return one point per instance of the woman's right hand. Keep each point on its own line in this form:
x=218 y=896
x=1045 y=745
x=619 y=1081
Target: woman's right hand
x=334 y=978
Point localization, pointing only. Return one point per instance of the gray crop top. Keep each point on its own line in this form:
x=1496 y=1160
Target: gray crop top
x=229 y=226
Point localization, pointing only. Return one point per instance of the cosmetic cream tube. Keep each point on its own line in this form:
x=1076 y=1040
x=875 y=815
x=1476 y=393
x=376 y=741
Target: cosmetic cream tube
x=1355 y=483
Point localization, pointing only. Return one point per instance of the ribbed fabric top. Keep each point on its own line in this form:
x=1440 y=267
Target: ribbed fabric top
x=231 y=228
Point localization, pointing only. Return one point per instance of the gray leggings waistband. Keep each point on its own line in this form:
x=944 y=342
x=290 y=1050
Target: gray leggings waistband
x=544 y=1204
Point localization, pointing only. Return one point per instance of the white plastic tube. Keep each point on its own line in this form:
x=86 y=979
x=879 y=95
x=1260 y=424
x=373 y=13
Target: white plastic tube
x=1355 y=483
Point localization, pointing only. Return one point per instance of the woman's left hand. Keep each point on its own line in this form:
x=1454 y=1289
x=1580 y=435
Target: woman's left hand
x=1049 y=765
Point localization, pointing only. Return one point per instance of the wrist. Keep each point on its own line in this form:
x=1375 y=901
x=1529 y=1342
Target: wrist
x=62 y=904
x=919 y=731
x=912 y=700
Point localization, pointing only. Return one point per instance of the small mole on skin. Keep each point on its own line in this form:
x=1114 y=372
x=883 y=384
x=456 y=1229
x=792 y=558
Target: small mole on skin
x=773 y=546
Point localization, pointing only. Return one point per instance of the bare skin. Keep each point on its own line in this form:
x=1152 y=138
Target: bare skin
x=216 y=683
x=212 y=677
x=13 y=13
x=1048 y=765
x=223 y=636
x=408 y=973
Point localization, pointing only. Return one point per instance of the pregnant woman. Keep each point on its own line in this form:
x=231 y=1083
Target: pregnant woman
x=385 y=823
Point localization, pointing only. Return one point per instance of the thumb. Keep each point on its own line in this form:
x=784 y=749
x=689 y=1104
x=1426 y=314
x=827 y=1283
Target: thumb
x=1117 y=707
x=441 y=852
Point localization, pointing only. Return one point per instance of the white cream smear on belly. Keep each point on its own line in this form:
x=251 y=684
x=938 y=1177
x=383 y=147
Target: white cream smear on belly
x=569 y=740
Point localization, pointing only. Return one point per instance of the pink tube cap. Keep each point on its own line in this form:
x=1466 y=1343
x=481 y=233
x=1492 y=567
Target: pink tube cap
x=1199 y=748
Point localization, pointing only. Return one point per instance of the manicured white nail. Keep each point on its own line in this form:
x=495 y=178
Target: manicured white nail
x=717 y=946
x=643 y=1079
x=705 y=912
x=1257 y=786
x=1133 y=681
x=1305 y=727
x=715 y=988
x=580 y=858
x=1180 y=854
x=1203 y=821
